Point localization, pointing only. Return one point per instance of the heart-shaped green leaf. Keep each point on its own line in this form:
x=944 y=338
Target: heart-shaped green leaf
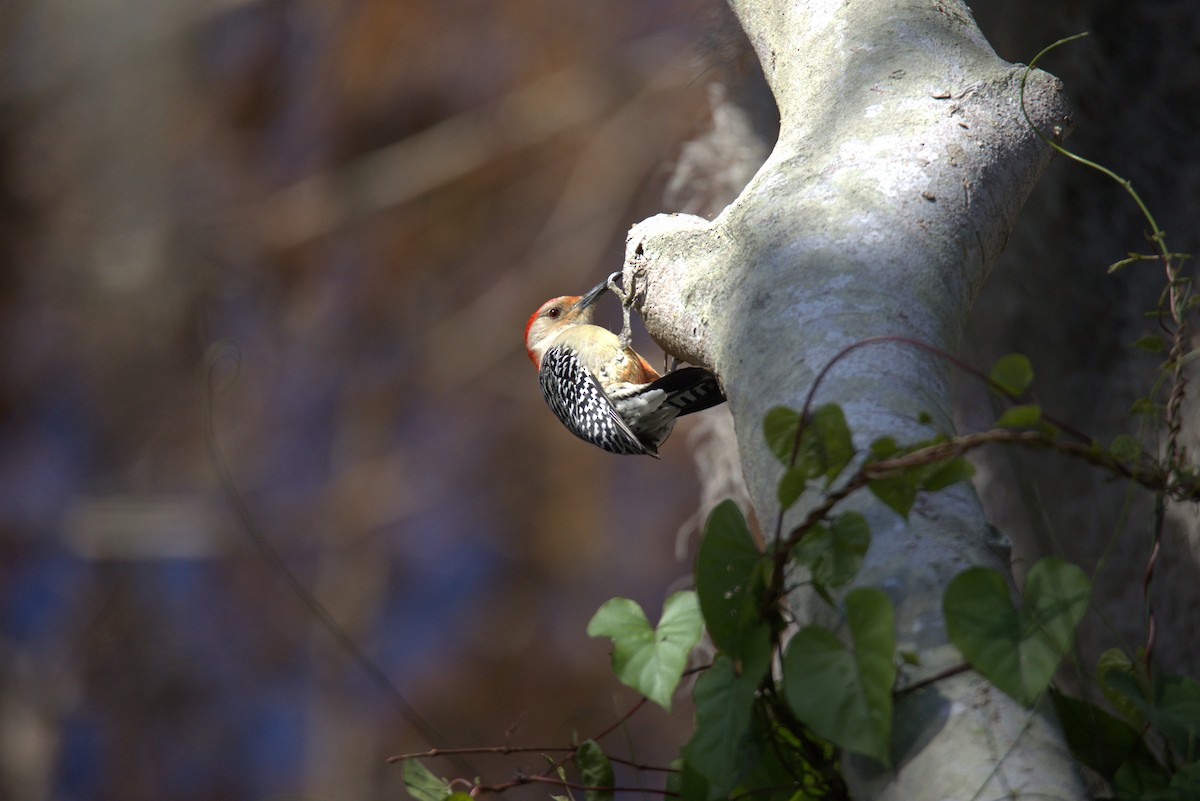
x=846 y=696
x=897 y=491
x=833 y=553
x=824 y=449
x=1012 y=373
x=1018 y=650
x=1125 y=448
x=650 y=660
x=831 y=439
x=724 y=714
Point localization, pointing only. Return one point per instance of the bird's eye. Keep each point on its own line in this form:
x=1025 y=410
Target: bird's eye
x=553 y=313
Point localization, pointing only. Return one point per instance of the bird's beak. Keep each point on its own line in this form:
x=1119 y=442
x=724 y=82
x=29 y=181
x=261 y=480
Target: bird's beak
x=592 y=294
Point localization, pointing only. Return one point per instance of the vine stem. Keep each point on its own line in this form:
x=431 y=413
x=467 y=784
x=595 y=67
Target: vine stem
x=1155 y=480
x=1177 y=297
x=965 y=367
x=1177 y=294
x=781 y=552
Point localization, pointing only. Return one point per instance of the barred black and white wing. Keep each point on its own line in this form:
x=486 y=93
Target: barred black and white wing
x=579 y=402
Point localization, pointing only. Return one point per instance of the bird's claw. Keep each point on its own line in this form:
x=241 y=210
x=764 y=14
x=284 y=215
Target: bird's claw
x=614 y=287
x=626 y=337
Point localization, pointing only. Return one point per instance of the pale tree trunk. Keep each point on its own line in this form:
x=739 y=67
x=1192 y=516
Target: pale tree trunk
x=901 y=165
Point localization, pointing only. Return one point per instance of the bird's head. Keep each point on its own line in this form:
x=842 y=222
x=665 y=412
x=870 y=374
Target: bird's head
x=557 y=315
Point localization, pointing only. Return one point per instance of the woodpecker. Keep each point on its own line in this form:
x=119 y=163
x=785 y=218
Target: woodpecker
x=600 y=388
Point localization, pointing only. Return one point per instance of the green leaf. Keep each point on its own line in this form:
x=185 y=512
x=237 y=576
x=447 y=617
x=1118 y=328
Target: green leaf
x=1176 y=714
x=1174 y=710
x=1125 y=448
x=1151 y=343
x=943 y=475
x=730 y=581
x=1140 y=780
x=834 y=553
x=1144 y=407
x=832 y=439
x=674 y=783
x=1026 y=415
x=898 y=491
x=1012 y=374
x=1049 y=429
x=780 y=427
x=1018 y=650
x=779 y=763
x=846 y=696
x=724 y=714
x=884 y=448
x=422 y=784
x=1186 y=782
x=650 y=661
x=594 y=770
x=1097 y=739
x=692 y=785
x=825 y=448
x=792 y=486
x=1111 y=663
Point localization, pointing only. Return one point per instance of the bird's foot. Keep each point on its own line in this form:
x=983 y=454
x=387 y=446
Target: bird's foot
x=626 y=337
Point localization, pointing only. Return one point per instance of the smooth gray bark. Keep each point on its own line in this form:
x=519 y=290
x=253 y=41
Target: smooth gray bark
x=901 y=165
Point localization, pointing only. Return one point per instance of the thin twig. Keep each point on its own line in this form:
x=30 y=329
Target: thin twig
x=505 y=750
x=941 y=675
x=480 y=789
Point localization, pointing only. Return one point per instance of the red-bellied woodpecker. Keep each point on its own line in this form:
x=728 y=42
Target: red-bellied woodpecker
x=601 y=389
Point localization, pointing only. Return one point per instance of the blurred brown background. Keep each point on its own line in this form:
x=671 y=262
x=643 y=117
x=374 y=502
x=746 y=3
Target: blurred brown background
x=354 y=206
x=349 y=209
